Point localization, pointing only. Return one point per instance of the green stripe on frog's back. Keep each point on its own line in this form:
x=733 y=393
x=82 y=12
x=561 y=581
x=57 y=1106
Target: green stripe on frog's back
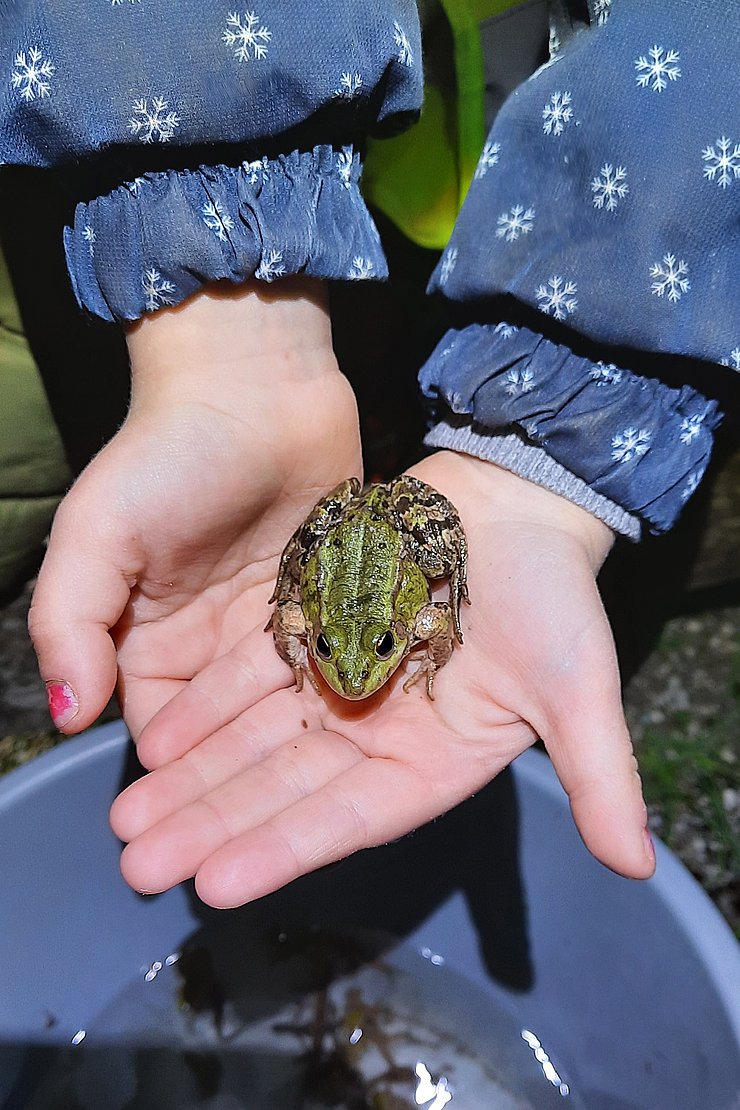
x=354 y=573
x=357 y=575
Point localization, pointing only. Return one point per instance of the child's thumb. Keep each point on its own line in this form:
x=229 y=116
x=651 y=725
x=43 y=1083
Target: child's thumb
x=80 y=595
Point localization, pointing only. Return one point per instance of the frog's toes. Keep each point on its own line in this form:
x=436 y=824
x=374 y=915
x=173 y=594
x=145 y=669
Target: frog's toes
x=299 y=671
x=426 y=669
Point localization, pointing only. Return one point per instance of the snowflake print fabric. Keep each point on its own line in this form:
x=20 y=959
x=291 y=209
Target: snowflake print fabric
x=723 y=163
x=210 y=76
x=627 y=146
x=247 y=36
x=152 y=121
x=200 y=72
x=604 y=200
x=32 y=74
x=646 y=440
x=611 y=210
x=265 y=219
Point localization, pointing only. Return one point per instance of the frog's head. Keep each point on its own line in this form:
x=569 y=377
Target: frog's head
x=356 y=661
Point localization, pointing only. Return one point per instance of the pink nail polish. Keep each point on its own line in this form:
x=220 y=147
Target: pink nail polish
x=649 y=846
x=63 y=703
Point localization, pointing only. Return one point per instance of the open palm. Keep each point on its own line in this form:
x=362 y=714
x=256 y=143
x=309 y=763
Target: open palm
x=253 y=785
x=160 y=554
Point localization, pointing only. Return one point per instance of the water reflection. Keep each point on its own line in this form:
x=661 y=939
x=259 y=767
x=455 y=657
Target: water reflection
x=297 y=1018
x=427 y=1091
x=545 y=1062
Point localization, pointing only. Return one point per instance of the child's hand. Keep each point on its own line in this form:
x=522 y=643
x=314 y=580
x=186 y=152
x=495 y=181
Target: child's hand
x=164 y=552
x=251 y=789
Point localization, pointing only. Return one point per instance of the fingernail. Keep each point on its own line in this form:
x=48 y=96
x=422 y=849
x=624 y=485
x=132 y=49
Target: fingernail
x=63 y=703
x=649 y=846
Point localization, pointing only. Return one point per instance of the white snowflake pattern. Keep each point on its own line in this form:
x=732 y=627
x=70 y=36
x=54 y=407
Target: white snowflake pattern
x=247 y=36
x=723 y=164
x=88 y=234
x=515 y=223
x=692 y=483
x=117 y=3
x=344 y=166
x=602 y=9
x=362 y=268
x=256 y=171
x=606 y=373
x=557 y=297
x=349 y=84
x=153 y=124
x=405 y=53
x=519 y=381
x=656 y=67
x=505 y=330
x=630 y=444
x=691 y=426
x=488 y=158
x=157 y=290
x=271 y=266
x=32 y=74
x=671 y=278
x=448 y=265
x=216 y=219
x=609 y=187
x=556 y=113
x=733 y=359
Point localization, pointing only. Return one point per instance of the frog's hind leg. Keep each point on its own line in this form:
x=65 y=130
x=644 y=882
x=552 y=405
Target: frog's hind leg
x=323 y=515
x=433 y=536
x=459 y=586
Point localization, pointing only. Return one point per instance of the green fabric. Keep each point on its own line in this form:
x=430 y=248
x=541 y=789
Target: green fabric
x=33 y=469
x=419 y=179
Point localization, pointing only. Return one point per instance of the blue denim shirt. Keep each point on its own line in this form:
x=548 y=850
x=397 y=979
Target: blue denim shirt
x=223 y=143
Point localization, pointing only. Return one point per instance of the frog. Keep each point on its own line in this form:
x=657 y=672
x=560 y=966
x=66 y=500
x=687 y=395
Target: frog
x=353 y=594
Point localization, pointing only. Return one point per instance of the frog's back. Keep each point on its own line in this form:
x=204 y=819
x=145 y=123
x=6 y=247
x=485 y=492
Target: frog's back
x=356 y=570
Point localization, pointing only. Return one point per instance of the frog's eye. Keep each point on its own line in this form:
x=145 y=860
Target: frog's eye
x=323 y=647
x=384 y=645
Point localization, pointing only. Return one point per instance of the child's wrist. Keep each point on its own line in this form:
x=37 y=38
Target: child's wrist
x=509 y=497
x=227 y=342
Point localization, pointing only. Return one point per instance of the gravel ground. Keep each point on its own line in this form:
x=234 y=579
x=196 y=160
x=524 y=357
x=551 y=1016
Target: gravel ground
x=683 y=708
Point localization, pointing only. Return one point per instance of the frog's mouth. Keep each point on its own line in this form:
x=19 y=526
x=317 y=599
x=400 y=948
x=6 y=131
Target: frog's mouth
x=355 y=689
x=352 y=691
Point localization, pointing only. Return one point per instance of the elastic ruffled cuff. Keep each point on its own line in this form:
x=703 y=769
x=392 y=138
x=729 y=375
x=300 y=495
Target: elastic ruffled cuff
x=158 y=239
x=511 y=452
x=632 y=440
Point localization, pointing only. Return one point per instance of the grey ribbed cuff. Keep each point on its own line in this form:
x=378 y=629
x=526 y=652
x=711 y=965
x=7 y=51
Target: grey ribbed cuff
x=509 y=450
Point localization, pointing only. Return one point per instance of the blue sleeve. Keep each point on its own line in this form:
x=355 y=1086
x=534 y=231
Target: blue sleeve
x=607 y=199
x=206 y=142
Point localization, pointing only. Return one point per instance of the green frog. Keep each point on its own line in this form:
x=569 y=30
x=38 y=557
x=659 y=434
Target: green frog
x=353 y=588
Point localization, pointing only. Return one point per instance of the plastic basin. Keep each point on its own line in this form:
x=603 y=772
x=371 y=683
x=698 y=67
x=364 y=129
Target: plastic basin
x=632 y=988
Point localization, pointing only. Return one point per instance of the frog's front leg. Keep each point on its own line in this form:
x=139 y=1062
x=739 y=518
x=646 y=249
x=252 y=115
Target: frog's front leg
x=433 y=625
x=289 y=631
